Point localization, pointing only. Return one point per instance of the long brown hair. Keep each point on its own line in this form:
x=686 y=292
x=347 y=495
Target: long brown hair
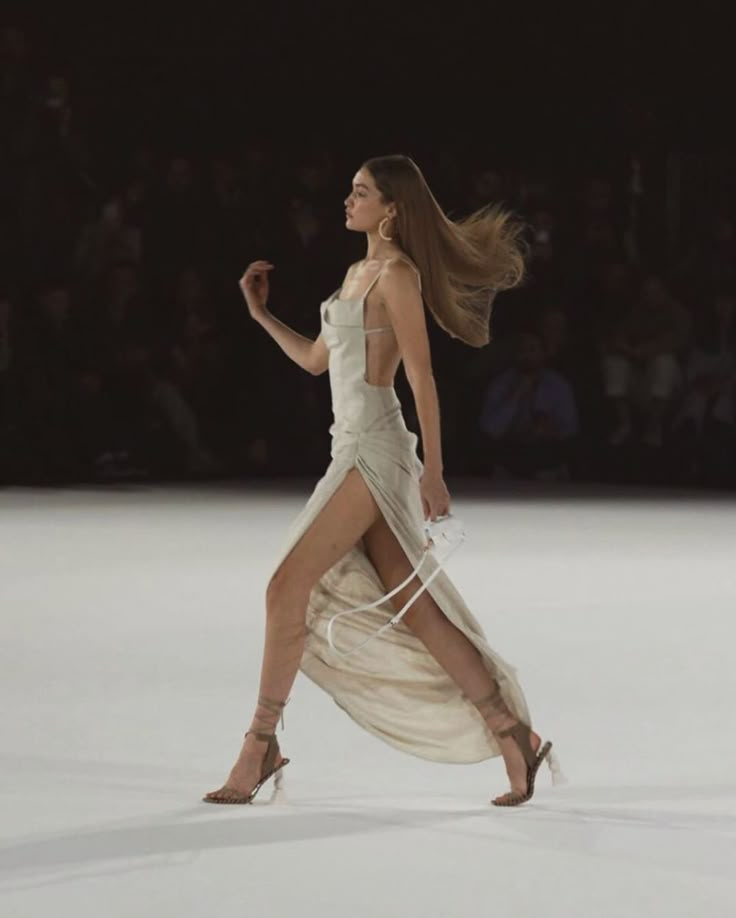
x=463 y=263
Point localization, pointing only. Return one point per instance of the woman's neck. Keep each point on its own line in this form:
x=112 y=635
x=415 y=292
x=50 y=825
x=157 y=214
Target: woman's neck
x=380 y=249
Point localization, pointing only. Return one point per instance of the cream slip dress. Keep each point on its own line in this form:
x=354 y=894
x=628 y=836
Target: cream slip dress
x=392 y=687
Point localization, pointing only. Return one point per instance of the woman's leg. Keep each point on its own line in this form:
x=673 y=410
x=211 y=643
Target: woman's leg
x=343 y=520
x=448 y=645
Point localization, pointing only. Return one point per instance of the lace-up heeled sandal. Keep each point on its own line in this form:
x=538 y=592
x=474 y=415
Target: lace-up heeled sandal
x=521 y=735
x=495 y=707
x=269 y=768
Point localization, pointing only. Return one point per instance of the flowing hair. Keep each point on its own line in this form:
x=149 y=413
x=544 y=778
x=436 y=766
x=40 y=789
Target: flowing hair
x=463 y=263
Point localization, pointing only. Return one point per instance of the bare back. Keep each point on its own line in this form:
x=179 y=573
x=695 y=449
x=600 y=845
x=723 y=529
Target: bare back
x=382 y=355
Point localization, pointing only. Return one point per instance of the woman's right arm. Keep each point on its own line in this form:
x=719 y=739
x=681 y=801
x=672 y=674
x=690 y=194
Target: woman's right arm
x=311 y=356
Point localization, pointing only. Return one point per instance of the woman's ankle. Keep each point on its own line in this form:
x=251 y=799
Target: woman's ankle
x=495 y=712
x=267 y=715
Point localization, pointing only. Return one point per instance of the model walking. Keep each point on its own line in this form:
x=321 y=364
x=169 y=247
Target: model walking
x=432 y=686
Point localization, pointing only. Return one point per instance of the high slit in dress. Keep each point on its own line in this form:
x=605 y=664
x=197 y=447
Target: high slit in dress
x=392 y=687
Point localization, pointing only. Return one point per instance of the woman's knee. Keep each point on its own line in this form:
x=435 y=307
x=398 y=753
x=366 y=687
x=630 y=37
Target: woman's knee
x=286 y=590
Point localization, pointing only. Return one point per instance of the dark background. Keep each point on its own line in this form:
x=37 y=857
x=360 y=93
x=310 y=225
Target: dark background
x=147 y=156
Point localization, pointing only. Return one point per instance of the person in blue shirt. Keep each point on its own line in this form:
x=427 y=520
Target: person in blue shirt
x=530 y=412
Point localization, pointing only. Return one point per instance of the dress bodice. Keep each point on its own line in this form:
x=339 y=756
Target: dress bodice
x=355 y=401
x=358 y=405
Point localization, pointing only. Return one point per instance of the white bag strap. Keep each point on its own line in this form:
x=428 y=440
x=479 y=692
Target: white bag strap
x=444 y=537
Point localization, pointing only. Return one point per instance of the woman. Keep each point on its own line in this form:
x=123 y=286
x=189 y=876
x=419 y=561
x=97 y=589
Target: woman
x=432 y=686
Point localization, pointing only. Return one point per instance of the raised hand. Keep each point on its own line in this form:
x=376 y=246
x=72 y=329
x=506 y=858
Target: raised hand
x=254 y=286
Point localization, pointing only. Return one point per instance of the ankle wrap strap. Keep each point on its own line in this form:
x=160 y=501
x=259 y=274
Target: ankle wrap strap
x=493 y=705
x=521 y=733
x=262 y=737
x=276 y=707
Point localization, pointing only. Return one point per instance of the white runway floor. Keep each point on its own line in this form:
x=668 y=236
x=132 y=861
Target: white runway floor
x=132 y=623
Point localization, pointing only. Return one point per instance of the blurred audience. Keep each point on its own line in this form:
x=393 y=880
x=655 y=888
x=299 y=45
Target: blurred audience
x=704 y=425
x=126 y=349
x=642 y=365
x=529 y=414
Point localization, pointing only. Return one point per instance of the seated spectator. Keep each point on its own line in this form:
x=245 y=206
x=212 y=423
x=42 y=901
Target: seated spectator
x=485 y=186
x=154 y=423
x=641 y=362
x=6 y=310
x=712 y=257
x=554 y=330
x=530 y=414
x=6 y=365
x=705 y=422
x=107 y=241
x=179 y=221
x=58 y=389
x=198 y=358
x=571 y=350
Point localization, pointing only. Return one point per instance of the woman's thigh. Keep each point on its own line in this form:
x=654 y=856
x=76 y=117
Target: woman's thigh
x=346 y=516
x=393 y=567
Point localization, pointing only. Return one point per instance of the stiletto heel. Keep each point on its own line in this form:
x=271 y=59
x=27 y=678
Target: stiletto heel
x=554 y=766
x=279 y=792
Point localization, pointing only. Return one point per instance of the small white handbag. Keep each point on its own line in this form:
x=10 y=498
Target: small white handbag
x=444 y=536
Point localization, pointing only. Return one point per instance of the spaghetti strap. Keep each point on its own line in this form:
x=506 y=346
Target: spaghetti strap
x=372 y=283
x=336 y=294
x=383 y=268
x=411 y=264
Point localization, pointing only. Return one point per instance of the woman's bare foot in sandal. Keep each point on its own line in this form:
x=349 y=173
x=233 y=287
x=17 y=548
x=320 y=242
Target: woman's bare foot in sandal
x=520 y=746
x=516 y=766
x=247 y=771
x=259 y=759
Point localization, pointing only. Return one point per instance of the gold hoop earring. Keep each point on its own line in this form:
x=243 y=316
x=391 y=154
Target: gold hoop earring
x=380 y=230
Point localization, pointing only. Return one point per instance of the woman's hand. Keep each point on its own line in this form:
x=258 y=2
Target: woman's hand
x=435 y=496
x=254 y=285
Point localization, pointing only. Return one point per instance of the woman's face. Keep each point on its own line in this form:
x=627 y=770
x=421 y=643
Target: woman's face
x=364 y=207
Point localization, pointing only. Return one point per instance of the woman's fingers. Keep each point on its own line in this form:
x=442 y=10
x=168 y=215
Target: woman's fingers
x=254 y=273
x=435 y=513
x=255 y=266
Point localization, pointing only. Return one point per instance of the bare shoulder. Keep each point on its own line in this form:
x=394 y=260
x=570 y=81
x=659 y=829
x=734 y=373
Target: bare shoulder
x=400 y=276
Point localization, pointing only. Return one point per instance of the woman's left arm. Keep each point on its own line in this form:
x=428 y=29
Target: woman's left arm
x=403 y=301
